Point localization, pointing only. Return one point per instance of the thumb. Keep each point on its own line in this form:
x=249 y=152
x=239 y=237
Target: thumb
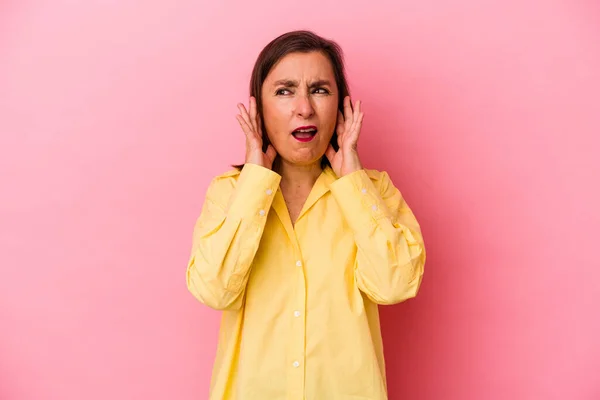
x=271 y=153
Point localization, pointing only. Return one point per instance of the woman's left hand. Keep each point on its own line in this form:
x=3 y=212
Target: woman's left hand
x=345 y=160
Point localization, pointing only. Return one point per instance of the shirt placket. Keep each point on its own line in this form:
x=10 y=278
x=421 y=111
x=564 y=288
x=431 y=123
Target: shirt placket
x=297 y=340
x=295 y=364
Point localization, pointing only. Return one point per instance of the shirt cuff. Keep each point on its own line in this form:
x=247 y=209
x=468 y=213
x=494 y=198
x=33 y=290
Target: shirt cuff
x=359 y=199
x=254 y=192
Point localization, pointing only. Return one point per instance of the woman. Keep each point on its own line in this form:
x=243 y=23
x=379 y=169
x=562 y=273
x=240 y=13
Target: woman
x=300 y=245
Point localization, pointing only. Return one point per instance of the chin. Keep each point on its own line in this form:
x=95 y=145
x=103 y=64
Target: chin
x=304 y=160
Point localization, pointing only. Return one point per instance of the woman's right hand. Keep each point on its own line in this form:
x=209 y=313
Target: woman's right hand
x=251 y=125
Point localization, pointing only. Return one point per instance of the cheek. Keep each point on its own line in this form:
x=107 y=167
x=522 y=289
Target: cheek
x=329 y=116
x=276 y=118
x=329 y=107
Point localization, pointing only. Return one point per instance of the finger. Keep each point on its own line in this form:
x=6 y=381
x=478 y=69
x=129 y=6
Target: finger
x=330 y=153
x=355 y=115
x=357 y=107
x=243 y=125
x=259 y=125
x=359 y=122
x=356 y=129
x=347 y=109
x=340 y=118
x=357 y=110
x=340 y=125
x=250 y=135
x=253 y=111
x=244 y=114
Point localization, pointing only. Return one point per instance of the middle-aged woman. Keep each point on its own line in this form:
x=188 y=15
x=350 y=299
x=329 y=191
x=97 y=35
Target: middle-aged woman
x=300 y=244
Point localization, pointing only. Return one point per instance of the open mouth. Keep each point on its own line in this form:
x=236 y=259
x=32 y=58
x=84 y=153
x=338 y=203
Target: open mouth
x=305 y=133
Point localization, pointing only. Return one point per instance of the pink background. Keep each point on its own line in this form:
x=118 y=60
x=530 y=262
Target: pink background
x=115 y=115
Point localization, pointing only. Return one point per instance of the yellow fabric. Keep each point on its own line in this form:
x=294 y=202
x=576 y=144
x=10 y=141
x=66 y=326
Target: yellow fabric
x=300 y=303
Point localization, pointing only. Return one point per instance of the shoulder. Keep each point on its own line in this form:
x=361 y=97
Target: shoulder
x=376 y=175
x=250 y=174
x=380 y=178
x=383 y=182
x=230 y=174
x=224 y=181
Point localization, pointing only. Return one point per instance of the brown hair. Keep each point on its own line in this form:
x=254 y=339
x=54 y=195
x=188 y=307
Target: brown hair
x=301 y=41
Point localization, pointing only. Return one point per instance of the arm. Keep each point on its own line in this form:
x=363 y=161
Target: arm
x=227 y=234
x=390 y=255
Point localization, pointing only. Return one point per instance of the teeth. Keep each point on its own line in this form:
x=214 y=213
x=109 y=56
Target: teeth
x=305 y=130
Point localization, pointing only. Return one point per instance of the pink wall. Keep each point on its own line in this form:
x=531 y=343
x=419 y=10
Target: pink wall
x=115 y=115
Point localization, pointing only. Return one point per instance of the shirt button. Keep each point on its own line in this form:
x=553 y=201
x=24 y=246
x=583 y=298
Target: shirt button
x=262 y=213
x=298 y=263
x=269 y=191
x=363 y=190
x=374 y=207
x=296 y=313
x=296 y=364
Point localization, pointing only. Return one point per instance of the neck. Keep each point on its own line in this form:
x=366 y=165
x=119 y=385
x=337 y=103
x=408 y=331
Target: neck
x=298 y=175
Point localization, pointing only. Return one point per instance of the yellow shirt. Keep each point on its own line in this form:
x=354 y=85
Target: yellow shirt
x=300 y=317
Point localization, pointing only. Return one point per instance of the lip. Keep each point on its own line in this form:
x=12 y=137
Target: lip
x=305 y=127
x=308 y=139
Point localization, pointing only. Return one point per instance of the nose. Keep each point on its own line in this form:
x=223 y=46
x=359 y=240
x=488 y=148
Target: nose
x=303 y=106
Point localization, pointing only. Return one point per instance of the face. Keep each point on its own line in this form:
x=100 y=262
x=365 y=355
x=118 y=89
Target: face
x=299 y=100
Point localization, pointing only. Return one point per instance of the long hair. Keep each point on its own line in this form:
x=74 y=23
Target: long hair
x=300 y=41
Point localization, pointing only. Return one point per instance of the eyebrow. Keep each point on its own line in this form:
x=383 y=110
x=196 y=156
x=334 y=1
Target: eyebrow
x=293 y=83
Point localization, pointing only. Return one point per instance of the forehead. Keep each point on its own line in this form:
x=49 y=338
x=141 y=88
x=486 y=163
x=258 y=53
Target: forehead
x=302 y=66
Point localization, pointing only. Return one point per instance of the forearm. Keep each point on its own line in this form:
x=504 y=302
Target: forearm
x=226 y=240
x=390 y=251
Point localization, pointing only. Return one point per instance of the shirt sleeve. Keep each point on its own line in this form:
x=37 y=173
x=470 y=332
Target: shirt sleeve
x=391 y=254
x=227 y=234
